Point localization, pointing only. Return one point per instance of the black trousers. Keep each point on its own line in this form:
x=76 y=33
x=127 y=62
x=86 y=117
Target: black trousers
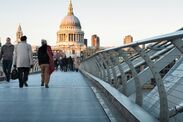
x=23 y=75
x=7 y=68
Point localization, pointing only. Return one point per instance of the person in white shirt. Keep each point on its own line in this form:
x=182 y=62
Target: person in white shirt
x=23 y=60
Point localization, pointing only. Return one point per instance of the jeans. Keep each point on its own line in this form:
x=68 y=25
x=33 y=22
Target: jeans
x=7 y=68
x=23 y=75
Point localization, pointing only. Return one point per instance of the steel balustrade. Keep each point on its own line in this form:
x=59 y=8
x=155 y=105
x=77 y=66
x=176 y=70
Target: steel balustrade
x=104 y=74
x=161 y=89
x=160 y=51
x=135 y=75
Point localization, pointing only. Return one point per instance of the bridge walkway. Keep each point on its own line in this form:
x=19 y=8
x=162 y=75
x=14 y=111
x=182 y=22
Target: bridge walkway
x=69 y=98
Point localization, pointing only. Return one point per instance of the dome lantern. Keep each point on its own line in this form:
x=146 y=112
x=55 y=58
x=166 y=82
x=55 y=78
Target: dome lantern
x=70 y=9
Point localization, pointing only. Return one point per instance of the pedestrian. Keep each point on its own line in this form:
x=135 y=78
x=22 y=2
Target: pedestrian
x=7 y=58
x=23 y=60
x=76 y=63
x=70 y=63
x=45 y=59
x=64 y=63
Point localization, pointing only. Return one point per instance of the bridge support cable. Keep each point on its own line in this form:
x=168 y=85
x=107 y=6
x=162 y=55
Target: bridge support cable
x=139 y=95
x=164 y=113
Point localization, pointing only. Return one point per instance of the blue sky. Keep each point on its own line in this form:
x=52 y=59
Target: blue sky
x=111 y=20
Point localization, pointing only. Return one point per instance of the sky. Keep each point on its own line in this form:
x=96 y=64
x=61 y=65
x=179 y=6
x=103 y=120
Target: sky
x=111 y=20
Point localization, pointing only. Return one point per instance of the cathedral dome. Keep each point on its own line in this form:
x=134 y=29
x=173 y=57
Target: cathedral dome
x=70 y=20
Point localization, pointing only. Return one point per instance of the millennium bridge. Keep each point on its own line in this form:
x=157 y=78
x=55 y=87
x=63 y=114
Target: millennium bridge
x=138 y=82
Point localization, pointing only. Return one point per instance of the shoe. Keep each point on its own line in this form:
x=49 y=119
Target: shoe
x=20 y=85
x=46 y=86
x=26 y=84
x=42 y=83
x=7 y=79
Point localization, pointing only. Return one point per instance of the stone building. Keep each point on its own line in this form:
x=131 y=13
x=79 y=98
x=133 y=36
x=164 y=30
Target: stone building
x=95 y=41
x=128 y=39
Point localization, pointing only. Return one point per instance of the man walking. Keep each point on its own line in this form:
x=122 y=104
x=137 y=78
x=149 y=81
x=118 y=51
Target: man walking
x=7 y=56
x=23 y=60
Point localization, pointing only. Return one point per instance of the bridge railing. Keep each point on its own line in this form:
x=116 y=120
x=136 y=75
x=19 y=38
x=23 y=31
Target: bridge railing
x=129 y=68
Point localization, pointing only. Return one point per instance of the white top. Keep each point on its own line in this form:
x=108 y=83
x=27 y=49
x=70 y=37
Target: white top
x=23 y=55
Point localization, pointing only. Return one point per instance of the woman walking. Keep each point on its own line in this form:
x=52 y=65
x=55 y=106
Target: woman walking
x=45 y=59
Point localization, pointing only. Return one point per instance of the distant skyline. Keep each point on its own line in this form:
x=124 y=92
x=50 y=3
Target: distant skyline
x=111 y=20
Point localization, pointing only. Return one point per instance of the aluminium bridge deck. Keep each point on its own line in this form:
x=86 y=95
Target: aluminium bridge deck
x=69 y=98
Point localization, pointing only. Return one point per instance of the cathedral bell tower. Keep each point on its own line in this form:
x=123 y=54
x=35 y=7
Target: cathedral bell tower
x=19 y=34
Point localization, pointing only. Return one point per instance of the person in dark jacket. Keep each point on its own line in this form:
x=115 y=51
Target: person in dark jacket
x=65 y=63
x=43 y=59
x=7 y=56
x=70 y=63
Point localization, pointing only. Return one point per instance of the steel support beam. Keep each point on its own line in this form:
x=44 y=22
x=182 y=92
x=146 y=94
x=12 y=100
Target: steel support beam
x=94 y=67
x=123 y=87
x=103 y=68
x=164 y=113
x=139 y=95
x=178 y=44
x=99 y=68
x=108 y=55
x=167 y=58
x=102 y=56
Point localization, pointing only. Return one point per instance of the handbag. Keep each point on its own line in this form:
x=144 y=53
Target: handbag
x=14 y=74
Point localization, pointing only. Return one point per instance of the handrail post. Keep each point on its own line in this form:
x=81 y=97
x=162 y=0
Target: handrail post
x=139 y=95
x=164 y=113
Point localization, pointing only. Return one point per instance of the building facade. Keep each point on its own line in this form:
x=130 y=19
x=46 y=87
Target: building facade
x=95 y=41
x=70 y=37
x=128 y=39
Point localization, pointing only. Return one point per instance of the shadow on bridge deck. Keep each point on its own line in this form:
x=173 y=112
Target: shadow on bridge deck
x=69 y=98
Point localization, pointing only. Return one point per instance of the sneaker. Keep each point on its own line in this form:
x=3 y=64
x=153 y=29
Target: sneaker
x=42 y=83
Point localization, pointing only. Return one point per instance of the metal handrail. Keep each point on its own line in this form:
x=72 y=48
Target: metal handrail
x=166 y=39
x=169 y=37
